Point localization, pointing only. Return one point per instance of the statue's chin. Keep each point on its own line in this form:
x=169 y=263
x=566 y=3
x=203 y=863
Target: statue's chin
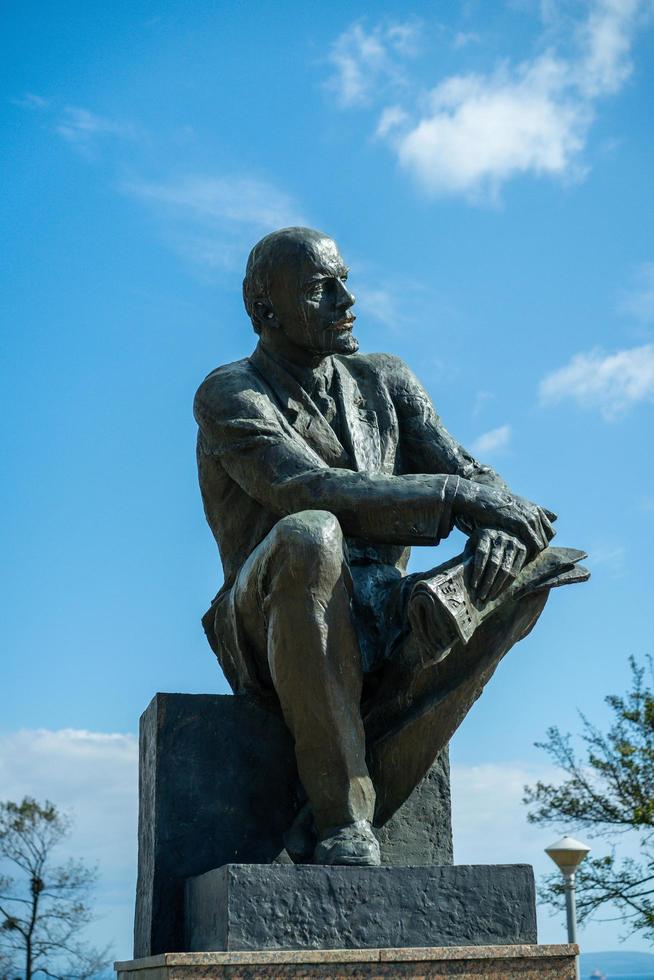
x=343 y=343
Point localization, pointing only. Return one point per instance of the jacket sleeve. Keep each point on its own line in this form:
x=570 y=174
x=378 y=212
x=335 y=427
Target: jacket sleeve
x=243 y=432
x=427 y=446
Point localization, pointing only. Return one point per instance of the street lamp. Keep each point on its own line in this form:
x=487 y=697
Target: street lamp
x=568 y=853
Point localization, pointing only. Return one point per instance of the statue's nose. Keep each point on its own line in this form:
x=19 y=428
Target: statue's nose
x=345 y=298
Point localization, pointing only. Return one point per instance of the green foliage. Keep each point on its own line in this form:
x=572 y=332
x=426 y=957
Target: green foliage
x=608 y=792
x=44 y=907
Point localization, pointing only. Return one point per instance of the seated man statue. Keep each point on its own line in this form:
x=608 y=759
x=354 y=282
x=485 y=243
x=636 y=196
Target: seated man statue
x=319 y=468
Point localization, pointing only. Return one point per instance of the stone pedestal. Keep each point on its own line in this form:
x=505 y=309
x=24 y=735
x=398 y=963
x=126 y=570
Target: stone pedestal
x=218 y=785
x=268 y=907
x=435 y=963
x=218 y=790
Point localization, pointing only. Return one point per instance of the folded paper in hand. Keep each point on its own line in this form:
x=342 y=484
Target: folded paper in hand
x=443 y=612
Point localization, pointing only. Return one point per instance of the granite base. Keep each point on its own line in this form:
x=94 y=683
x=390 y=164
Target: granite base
x=527 y=962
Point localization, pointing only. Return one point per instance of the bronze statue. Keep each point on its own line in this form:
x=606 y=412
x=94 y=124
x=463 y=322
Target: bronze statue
x=319 y=468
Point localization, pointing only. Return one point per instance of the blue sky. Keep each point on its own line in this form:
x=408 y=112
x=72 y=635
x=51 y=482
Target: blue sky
x=486 y=169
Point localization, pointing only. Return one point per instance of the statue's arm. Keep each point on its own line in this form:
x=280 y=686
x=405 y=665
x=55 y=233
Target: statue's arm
x=244 y=433
x=241 y=429
x=427 y=446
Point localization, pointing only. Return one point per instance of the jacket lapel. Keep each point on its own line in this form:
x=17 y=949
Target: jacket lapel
x=299 y=409
x=359 y=424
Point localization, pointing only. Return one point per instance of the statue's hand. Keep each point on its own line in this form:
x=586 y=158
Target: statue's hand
x=498 y=560
x=490 y=507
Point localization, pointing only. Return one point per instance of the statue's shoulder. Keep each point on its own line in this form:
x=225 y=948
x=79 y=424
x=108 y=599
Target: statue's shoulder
x=386 y=367
x=225 y=383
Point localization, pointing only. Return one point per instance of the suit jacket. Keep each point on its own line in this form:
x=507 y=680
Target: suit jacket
x=264 y=450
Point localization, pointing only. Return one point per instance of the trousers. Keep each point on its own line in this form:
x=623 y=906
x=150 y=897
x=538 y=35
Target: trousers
x=294 y=600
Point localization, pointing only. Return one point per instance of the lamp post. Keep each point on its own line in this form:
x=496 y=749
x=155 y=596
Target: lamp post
x=568 y=853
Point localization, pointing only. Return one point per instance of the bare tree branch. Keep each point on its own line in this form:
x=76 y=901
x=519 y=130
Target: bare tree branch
x=46 y=907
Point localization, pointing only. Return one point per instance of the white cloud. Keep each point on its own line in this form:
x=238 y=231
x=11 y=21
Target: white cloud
x=490 y=826
x=381 y=304
x=639 y=300
x=397 y=304
x=361 y=59
x=95 y=777
x=209 y=253
x=606 y=37
x=90 y=772
x=480 y=130
x=609 y=556
x=489 y=822
x=482 y=399
x=80 y=126
x=488 y=816
x=493 y=441
x=611 y=383
x=240 y=200
x=31 y=101
x=392 y=117
x=463 y=38
x=214 y=218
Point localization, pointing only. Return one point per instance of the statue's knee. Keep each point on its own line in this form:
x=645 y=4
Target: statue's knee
x=310 y=545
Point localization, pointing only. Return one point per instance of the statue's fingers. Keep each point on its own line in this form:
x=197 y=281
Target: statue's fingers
x=531 y=537
x=493 y=566
x=505 y=574
x=519 y=558
x=482 y=552
x=539 y=530
x=546 y=525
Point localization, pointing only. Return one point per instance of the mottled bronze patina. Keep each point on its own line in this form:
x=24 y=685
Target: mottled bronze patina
x=319 y=468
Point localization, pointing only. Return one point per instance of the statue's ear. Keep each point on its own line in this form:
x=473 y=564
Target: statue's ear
x=264 y=314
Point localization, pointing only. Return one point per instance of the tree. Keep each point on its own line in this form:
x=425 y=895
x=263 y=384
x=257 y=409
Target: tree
x=45 y=907
x=7 y=968
x=609 y=792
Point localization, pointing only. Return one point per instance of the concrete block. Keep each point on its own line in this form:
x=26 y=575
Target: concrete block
x=218 y=785
x=273 y=907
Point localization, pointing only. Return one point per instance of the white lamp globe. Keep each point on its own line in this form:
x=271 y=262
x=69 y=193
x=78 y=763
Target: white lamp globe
x=567 y=853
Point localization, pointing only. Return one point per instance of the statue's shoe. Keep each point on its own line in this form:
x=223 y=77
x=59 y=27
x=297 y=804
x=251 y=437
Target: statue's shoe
x=352 y=844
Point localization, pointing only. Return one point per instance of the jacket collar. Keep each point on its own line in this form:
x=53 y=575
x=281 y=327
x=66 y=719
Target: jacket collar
x=299 y=409
x=358 y=425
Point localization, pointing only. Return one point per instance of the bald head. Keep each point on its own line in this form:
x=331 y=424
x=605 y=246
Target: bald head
x=294 y=289
x=277 y=262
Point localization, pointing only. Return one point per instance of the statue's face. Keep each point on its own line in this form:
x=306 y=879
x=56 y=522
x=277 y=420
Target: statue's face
x=310 y=299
